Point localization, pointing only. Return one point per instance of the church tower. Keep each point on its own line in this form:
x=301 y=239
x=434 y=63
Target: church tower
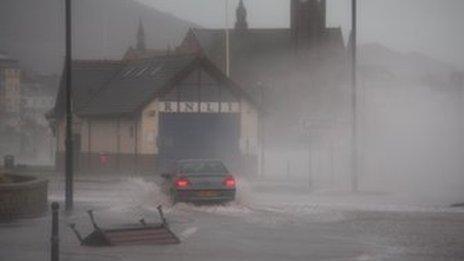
x=141 y=47
x=241 y=17
x=308 y=21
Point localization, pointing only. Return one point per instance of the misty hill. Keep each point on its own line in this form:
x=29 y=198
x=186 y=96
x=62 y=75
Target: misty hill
x=33 y=31
x=378 y=62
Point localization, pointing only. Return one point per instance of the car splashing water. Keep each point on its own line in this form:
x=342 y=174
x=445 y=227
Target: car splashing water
x=137 y=196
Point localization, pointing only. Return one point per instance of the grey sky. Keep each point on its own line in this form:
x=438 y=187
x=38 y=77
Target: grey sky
x=434 y=27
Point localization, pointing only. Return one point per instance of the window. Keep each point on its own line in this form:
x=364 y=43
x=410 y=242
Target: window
x=141 y=71
x=155 y=70
x=202 y=167
x=128 y=72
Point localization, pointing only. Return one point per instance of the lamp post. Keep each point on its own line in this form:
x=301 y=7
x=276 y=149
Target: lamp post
x=354 y=131
x=227 y=38
x=69 y=201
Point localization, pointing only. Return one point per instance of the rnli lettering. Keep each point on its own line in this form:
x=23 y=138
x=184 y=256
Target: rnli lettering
x=203 y=107
x=168 y=107
x=188 y=107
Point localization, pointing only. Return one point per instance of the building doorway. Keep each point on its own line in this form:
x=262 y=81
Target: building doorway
x=198 y=136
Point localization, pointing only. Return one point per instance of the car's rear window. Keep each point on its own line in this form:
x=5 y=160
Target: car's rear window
x=202 y=167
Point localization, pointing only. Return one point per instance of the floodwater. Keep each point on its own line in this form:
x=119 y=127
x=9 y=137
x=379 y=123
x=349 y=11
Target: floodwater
x=264 y=224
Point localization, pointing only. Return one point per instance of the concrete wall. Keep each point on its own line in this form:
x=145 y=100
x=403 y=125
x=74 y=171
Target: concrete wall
x=114 y=135
x=26 y=197
x=112 y=144
x=130 y=144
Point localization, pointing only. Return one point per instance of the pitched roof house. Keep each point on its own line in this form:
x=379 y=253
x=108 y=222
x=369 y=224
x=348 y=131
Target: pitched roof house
x=126 y=113
x=297 y=72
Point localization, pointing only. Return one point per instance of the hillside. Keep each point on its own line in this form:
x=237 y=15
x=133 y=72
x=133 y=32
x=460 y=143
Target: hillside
x=379 y=62
x=33 y=31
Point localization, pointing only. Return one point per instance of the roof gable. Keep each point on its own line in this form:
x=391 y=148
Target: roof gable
x=135 y=83
x=125 y=88
x=216 y=75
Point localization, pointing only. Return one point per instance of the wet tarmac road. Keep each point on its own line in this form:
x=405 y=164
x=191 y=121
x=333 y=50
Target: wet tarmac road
x=260 y=229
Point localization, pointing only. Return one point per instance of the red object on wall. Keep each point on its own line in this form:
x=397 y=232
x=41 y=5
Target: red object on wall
x=104 y=159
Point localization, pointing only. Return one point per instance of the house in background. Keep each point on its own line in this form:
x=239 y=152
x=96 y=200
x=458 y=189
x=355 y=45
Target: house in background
x=10 y=91
x=299 y=72
x=10 y=106
x=140 y=51
x=300 y=76
x=25 y=98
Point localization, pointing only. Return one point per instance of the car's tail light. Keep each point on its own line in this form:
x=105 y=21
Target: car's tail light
x=182 y=183
x=230 y=182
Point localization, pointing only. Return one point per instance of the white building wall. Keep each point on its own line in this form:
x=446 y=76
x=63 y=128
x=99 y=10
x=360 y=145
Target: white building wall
x=149 y=129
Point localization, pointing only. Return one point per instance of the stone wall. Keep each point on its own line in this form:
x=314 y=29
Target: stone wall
x=25 y=197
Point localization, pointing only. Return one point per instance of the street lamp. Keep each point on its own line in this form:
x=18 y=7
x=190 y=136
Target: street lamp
x=354 y=131
x=69 y=201
x=226 y=14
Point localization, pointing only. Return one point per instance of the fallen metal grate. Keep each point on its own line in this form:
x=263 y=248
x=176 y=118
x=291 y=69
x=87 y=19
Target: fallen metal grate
x=158 y=234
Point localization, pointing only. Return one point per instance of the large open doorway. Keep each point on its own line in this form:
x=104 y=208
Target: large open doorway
x=198 y=135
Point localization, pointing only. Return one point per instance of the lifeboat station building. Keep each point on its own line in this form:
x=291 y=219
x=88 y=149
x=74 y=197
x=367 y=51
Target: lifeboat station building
x=138 y=116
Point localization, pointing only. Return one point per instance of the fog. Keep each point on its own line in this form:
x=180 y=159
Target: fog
x=426 y=26
x=409 y=108
x=193 y=141
x=410 y=129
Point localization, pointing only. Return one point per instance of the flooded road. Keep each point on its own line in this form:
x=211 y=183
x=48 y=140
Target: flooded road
x=261 y=225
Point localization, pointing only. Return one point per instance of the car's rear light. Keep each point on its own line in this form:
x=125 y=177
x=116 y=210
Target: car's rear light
x=182 y=183
x=230 y=182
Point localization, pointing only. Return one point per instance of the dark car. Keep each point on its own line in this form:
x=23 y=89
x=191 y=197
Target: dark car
x=199 y=181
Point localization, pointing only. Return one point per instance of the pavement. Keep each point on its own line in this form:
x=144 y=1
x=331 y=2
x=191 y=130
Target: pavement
x=265 y=223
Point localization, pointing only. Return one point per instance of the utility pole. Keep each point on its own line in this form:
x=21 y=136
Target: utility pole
x=354 y=131
x=69 y=117
x=227 y=39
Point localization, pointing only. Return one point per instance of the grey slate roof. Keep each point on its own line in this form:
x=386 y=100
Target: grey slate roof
x=256 y=42
x=136 y=84
x=252 y=39
x=257 y=55
x=109 y=88
x=88 y=77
